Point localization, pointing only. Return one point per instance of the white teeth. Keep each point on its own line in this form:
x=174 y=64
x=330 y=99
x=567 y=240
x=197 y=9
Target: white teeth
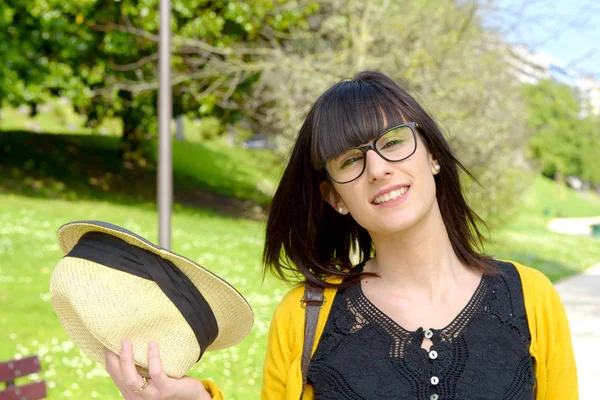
x=394 y=194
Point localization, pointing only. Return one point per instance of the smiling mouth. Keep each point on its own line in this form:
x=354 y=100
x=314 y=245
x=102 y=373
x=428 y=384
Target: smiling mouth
x=393 y=195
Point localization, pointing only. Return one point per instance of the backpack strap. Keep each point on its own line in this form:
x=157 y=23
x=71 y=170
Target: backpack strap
x=312 y=301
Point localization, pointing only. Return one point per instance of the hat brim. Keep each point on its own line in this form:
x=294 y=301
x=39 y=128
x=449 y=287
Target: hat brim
x=233 y=313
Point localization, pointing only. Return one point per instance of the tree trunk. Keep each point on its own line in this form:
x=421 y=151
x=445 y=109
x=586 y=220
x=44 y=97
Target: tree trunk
x=132 y=138
x=32 y=108
x=131 y=146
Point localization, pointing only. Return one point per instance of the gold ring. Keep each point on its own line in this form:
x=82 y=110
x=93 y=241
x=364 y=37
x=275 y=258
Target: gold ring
x=144 y=385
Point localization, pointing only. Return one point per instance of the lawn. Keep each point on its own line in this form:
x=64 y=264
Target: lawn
x=527 y=239
x=84 y=166
x=227 y=170
x=231 y=248
x=28 y=253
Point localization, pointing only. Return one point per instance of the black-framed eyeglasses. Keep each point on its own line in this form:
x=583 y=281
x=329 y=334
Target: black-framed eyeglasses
x=395 y=144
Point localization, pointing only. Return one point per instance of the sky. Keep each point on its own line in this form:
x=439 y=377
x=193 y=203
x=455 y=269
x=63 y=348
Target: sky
x=568 y=30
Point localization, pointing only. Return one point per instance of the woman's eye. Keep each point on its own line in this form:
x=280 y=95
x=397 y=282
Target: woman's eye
x=392 y=143
x=350 y=160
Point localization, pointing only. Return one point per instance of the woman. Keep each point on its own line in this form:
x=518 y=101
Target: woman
x=424 y=315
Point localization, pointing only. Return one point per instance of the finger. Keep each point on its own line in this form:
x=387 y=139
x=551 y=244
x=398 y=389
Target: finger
x=131 y=379
x=158 y=375
x=113 y=366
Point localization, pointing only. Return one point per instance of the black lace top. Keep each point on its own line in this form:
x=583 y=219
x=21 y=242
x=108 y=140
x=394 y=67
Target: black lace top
x=482 y=354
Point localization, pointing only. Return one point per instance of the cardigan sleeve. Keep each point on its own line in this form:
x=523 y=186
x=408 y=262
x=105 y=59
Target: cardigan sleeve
x=561 y=371
x=212 y=388
x=281 y=353
x=551 y=346
x=282 y=370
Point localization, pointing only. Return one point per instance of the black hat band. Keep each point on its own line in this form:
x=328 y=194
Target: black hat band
x=115 y=253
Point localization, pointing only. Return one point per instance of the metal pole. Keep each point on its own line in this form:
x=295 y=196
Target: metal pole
x=179 y=135
x=165 y=114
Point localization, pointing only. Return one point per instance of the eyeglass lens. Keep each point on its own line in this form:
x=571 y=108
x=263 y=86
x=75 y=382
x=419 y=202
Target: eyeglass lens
x=395 y=145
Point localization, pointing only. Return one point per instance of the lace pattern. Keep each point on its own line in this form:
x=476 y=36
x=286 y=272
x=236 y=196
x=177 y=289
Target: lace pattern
x=482 y=354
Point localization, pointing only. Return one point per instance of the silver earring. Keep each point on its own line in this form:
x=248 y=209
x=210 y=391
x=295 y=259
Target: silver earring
x=341 y=210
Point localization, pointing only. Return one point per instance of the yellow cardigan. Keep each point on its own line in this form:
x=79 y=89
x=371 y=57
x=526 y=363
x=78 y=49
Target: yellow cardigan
x=551 y=348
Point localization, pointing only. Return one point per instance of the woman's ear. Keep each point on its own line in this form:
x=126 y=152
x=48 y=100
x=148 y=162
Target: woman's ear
x=331 y=197
x=435 y=165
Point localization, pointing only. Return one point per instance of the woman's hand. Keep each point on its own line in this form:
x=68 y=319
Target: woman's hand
x=160 y=386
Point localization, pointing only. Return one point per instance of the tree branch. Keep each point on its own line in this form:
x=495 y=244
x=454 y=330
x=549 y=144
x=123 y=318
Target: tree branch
x=182 y=41
x=139 y=63
x=178 y=78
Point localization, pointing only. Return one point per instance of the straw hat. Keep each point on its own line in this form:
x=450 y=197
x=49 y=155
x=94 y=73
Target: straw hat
x=99 y=305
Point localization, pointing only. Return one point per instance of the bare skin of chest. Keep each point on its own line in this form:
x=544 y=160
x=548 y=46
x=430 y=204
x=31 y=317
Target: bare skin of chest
x=414 y=312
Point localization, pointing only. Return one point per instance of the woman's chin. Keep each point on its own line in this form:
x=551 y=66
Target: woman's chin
x=393 y=225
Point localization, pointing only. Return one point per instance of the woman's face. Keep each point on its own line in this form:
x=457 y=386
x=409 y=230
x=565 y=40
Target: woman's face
x=389 y=197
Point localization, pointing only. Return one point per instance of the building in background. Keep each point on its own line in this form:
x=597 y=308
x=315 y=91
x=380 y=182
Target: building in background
x=530 y=67
x=590 y=96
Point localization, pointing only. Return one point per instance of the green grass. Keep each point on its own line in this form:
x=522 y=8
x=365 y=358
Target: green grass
x=56 y=116
x=29 y=252
x=78 y=166
x=559 y=201
x=231 y=248
x=526 y=238
x=226 y=170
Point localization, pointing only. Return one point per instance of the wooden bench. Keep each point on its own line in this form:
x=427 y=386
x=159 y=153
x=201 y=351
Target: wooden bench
x=13 y=369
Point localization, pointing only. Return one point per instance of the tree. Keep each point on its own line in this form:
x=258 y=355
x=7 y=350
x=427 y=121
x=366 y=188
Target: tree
x=215 y=57
x=441 y=54
x=562 y=143
x=29 y=41
x=108 y=53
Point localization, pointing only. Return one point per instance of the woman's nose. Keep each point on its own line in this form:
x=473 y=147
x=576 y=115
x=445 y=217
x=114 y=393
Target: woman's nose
x=376 y=167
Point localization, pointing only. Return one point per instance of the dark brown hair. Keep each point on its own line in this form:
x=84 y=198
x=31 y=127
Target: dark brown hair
x=305 y=238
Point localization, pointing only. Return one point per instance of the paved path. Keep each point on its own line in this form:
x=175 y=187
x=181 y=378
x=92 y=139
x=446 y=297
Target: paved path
x=581 y=296
x=575 y=226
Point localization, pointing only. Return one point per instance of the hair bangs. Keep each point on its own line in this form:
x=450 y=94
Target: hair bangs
x=349 y=115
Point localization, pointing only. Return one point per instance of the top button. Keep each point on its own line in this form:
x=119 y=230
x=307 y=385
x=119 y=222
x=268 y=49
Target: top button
x=428 y=334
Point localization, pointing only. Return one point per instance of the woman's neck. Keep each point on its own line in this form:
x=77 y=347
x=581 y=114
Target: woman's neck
x=419 y=260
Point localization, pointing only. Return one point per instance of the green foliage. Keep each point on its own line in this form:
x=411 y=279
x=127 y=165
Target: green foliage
x=54 y=116
x=103 y=56
x=440 y=52
x=563 y=143
x=267 y=60
x=202 y=130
